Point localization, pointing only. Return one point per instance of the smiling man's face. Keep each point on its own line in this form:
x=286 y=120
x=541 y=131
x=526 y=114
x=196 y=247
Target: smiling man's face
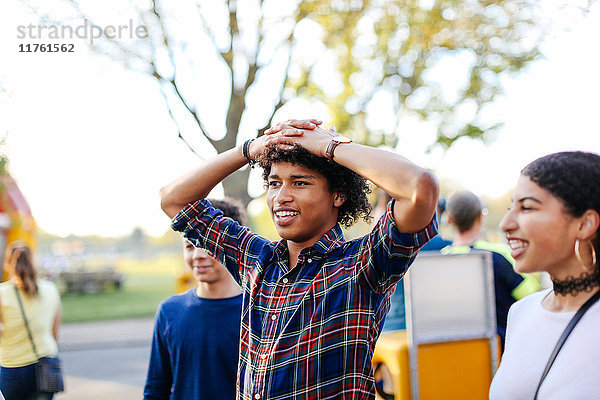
x=301 y=204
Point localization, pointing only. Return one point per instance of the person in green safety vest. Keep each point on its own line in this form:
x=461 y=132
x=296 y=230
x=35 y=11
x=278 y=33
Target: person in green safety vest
x=466 y=215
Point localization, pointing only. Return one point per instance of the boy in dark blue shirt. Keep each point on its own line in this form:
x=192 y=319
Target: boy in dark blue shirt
x=195 y=344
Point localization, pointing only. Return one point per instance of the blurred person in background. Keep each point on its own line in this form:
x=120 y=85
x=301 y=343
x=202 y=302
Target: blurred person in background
x=195 y=344
x=552 y=226
x=42 y=308
x=466 y=215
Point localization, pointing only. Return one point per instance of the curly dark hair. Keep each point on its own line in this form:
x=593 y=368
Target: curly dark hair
x=232 y=208
x=339 y=179
x=571 y=176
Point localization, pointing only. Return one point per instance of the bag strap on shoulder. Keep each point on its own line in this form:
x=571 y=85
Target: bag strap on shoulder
x=26 y=323
x=564 y=336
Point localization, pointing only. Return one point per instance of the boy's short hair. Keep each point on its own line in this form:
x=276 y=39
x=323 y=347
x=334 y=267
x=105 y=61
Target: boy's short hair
x=353 y=187
x=464 y=208
x=231 y=208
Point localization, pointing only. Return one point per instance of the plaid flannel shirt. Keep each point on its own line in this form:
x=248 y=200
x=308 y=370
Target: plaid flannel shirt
x=307 y=332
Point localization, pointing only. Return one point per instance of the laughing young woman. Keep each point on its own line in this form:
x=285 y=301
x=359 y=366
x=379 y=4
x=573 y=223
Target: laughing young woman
x=552 y=226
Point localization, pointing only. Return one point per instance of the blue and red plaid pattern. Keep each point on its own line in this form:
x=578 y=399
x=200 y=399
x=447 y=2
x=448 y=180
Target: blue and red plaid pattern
x=308 y=332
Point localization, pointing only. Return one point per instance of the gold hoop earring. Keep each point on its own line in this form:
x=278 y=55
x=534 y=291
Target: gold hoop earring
x=579 y=256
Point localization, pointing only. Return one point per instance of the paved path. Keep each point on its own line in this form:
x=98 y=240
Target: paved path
x=105 y=360
x=86 y=335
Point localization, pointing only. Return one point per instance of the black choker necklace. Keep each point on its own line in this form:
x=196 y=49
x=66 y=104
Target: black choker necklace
x=586 y=282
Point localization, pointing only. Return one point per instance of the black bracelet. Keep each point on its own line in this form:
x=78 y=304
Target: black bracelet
x=246 y=152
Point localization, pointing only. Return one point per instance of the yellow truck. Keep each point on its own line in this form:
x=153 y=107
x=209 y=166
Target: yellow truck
x=184 y=280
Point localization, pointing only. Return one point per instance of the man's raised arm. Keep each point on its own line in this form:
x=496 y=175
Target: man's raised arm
x=197 y=184
x=415 y=189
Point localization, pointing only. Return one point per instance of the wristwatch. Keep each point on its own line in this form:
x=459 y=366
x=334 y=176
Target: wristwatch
x=335 y=141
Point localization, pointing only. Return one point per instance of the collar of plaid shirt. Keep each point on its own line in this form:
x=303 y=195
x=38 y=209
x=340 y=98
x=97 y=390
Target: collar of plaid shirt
x=307 y=332
x=330 y=240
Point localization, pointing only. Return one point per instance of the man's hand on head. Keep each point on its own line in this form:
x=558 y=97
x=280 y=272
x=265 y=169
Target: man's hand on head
x=293 y=124
x=306 y=133
x=282 y=135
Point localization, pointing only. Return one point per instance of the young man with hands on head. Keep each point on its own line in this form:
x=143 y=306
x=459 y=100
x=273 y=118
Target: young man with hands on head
x=313 y=303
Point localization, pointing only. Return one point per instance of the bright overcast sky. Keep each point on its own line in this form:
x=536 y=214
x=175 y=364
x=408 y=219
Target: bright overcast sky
x=91 y=144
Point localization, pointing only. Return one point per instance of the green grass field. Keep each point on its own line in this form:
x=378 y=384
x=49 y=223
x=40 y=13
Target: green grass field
x=146 y=284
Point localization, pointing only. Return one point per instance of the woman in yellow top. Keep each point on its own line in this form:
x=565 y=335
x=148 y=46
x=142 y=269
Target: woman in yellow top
x=41 y=303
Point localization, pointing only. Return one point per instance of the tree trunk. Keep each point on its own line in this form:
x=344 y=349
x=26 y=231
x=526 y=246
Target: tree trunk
x=236 y=186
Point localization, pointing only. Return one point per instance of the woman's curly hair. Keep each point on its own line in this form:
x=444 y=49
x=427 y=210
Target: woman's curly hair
x=340 y=179
x=572 y=176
